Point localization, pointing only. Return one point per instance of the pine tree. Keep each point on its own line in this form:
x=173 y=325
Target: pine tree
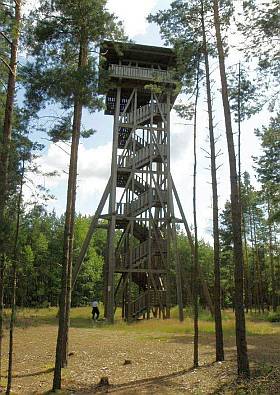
x=217 y=287
x=196 y=257
x=241 y=342
x=268 y=172
x=10 y=16
x=63 y=37
x=261 y=29
x=185 y=25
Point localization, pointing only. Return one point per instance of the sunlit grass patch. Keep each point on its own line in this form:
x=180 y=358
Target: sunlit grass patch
x=262 y=328
x=81 y=318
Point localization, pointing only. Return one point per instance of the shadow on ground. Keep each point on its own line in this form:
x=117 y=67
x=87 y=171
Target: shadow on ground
x=162 y=382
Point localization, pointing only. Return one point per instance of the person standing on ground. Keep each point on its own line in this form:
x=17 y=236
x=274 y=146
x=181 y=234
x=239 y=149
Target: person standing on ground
x=95 y=310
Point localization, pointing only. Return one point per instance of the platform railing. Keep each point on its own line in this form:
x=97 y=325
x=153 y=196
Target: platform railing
x=140 y=73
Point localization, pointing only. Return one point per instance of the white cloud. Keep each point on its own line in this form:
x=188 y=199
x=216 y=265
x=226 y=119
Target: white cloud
x=133 y=13
x=93 y=173
x=94 y=170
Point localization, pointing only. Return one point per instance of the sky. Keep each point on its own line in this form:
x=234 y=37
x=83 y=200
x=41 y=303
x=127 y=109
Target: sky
x=95 y=152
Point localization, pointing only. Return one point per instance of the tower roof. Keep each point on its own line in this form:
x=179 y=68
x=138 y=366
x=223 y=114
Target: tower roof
x=114 y=51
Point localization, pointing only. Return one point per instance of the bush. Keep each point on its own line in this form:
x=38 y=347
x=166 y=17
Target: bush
x=274 y=317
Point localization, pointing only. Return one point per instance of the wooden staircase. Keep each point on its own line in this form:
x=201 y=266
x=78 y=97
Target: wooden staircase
x=145 y=262
x=144 y=113
x=148 y=300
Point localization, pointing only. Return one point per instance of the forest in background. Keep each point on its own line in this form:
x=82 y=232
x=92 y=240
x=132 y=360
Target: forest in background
x=40 y=256
x=34 y=242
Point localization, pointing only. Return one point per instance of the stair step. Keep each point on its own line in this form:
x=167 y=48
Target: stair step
x=140 y=305
x=140 y=186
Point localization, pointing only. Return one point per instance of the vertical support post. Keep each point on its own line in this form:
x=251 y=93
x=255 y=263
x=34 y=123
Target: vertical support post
x=132 y=213
x=171 y=216
x=112 y=211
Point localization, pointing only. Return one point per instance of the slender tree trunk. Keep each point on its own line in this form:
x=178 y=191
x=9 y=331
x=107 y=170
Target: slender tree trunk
x=277 y=267
x=246 y=272
x=248 y=296
x=271 y=261
x=258 y=268
x=217 y=288
x=7 y=127
x=66 y=279
x=205 y=291
x=14 y=286
x=2 y=265
x=195 y=287
x=241 y=342
x=70 y=227
x=5 y=151
x=239 y=128
x=12 y=322
x=255 y=298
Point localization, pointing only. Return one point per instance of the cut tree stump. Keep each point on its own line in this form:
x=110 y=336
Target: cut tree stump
x=104 y=382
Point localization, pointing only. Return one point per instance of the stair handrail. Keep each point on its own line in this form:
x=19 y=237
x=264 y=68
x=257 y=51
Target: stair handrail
x=139 y=304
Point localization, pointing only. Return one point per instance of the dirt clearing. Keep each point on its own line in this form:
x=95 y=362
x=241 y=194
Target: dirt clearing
x=157 y=363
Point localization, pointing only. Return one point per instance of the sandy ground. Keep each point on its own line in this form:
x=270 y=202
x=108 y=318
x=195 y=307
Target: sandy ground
x=159 y=364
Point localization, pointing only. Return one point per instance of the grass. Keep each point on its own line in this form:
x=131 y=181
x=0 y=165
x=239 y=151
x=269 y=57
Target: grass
x=257 y=324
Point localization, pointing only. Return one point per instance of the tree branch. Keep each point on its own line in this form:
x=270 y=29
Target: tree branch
x=7 y=64
x=6 y=38
x=4 y=85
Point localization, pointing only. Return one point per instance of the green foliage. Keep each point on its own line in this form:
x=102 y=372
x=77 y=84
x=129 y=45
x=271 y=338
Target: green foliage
x=271 y=316
x=54 y=35
x=245 y=94
x=274 y=317
x=260 y=249
x=268 y=165
x=261 y=30
x=185 y=111
x=40 y=250
x=181 y=27
x=180 y=30
x=90 y=280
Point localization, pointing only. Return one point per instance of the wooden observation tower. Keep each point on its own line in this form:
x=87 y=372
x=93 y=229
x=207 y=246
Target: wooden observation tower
x=140 y=189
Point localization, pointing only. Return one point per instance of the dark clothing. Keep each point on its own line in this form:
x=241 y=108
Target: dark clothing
x=95 y=310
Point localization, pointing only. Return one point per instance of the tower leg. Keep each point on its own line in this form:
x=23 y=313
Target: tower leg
x=112 y=213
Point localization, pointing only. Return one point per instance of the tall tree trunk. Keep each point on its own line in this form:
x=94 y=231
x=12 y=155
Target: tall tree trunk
x=241 y=342
x=5 y=151
x=247 y=294
x=14 y=286
x=12 y=322
x=246 y=271
x=195 y=287
x=256 y=298
x=258 y=268
x=271 y=260
x=66 y=278
x=2 y=265
x=7 y=127
x=217 y=288
x=239 y=128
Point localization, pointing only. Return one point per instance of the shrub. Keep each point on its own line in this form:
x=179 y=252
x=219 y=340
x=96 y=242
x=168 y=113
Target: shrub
x=274 y=316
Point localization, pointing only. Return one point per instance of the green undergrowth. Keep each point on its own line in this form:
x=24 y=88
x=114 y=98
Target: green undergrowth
x=270 y=316
x=81 y=318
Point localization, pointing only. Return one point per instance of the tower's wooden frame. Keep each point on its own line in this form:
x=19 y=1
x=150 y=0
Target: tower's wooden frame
x=141 y=94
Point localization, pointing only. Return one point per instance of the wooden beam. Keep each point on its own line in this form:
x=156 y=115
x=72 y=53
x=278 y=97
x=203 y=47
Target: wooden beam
x=92 y=228
x=189 y=235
